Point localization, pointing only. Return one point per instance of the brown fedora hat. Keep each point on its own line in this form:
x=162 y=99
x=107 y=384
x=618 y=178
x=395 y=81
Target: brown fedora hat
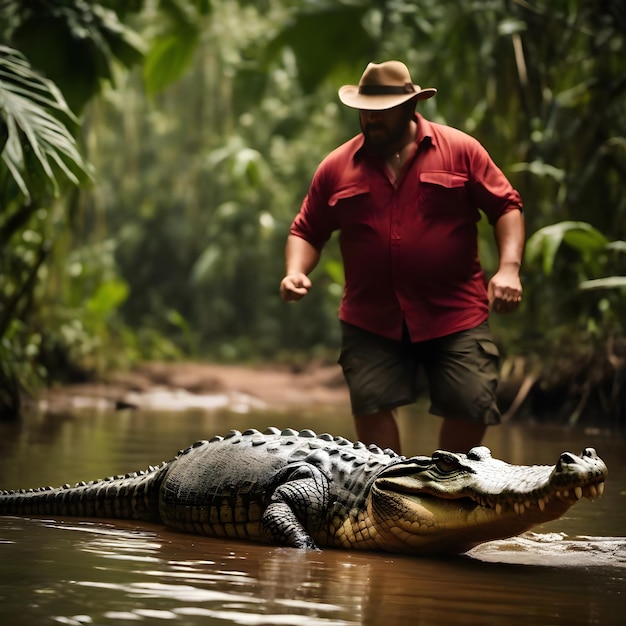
x=383 y=86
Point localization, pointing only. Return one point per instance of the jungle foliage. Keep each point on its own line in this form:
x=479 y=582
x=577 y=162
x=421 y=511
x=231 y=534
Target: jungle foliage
x=154 y=152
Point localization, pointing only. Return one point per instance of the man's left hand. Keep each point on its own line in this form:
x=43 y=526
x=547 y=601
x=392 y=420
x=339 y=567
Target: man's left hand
x=505 y=292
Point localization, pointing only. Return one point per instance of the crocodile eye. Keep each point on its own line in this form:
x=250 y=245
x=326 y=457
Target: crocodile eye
x=445 y=463
x=445 y=466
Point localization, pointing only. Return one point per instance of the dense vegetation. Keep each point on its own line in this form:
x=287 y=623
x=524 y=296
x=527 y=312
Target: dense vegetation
x=154 y=152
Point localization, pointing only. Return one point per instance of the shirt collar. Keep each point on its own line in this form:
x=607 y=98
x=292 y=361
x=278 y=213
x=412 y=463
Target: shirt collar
x=424 y=132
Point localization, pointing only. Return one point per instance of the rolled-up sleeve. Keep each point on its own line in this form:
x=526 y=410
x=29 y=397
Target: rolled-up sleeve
x=315 y=221
x=491 y=191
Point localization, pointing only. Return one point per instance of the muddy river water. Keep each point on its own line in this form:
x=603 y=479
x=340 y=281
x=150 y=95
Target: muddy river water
x=59 y=571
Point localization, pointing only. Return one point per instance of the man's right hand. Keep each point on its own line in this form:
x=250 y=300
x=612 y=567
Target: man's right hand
x=294 y=287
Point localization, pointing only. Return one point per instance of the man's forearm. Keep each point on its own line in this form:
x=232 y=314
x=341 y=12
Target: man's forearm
x=510 y=234
x=300 y=256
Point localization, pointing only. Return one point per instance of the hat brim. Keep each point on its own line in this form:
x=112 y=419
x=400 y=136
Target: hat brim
x=350 y=96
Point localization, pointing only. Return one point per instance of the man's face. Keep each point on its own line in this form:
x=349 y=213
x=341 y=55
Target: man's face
x=383 y=130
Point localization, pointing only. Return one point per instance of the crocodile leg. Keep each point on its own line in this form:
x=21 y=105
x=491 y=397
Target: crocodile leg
x=301 y=497
x=282 y=527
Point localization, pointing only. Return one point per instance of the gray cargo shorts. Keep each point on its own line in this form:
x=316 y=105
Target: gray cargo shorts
x=462 y=370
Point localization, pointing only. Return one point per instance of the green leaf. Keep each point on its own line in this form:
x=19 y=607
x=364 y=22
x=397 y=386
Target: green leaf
x=176 y=319
x=618 y=246
x=29 y=105
x=585 y=241
x=77 y=45
x=545 y=243
x=206 y=264
x=541 y=169
x=168 y=58
x=611 y=282
x=127 y=46
x=334 y=269
x=246 y=165
x=316 y=37
x=108 y=297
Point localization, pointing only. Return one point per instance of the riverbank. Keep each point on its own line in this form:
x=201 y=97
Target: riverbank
x=188 y=385
x=588 y=389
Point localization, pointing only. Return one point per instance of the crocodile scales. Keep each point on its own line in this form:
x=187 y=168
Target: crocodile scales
x=303 y=490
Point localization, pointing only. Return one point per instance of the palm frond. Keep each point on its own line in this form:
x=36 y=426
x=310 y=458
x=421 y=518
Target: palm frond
x=29 y=106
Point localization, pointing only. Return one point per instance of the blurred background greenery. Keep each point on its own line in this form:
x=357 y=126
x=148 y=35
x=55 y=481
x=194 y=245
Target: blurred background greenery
x=154 y=152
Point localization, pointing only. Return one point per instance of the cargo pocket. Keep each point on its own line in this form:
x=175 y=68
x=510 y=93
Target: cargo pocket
x=489 y=347
x=491 y=354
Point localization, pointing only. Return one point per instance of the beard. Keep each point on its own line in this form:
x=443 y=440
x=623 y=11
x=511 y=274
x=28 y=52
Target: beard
x=384 y=137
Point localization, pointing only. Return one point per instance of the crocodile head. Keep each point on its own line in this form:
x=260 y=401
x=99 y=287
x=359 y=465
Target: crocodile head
x=452 y=502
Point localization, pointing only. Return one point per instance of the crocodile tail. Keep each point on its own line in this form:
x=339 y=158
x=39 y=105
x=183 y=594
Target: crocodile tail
x=133 y=496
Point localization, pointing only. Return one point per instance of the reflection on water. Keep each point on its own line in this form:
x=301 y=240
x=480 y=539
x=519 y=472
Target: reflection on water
x=571 y=571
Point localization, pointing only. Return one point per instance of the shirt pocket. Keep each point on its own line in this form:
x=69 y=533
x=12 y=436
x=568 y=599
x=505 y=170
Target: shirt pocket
x=443 y=192
x=353 y=206
x=349 y=194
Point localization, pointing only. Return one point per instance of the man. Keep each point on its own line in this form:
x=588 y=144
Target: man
x=405 y=196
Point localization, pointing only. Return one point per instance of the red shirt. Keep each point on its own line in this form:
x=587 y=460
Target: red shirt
x=410 y=250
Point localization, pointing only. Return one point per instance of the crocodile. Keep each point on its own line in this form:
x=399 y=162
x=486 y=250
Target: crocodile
x=306 y=490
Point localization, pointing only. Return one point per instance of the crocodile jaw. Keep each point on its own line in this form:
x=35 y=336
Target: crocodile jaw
x=435 y=525
x=451 y=510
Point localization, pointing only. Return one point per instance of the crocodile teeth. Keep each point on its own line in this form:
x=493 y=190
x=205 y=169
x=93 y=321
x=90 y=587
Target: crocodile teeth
x=592 y=491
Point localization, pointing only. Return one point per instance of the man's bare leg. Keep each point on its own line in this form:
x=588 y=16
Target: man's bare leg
x=459 y=435
x=380 y=428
